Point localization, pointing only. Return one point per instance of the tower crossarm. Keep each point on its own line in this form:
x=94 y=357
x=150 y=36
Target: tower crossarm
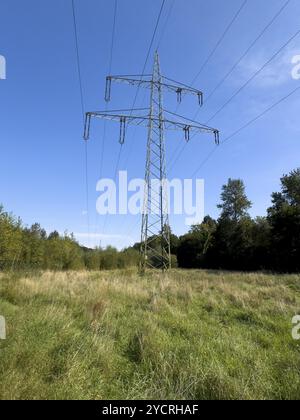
x=189 y=128
x=144 y=120
x=147 y=82
x=123 y=119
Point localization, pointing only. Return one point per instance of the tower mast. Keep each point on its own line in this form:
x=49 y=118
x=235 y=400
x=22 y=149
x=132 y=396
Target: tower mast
x=155 y=219
x=155 y=231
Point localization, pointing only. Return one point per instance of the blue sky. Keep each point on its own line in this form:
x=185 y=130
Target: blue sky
x=42 y=162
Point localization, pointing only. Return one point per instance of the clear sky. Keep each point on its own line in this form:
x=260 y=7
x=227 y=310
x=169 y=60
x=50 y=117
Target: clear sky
x=42 y=165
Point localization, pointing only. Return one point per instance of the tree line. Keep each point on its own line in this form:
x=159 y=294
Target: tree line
x=31 y=248
x=238 y=242
x=234 y=241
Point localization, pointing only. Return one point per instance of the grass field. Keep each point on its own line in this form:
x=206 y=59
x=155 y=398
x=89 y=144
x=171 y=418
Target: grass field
x=114 y=335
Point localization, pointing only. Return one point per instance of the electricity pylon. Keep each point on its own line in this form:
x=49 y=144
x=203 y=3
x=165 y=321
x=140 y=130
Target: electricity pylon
x=155 y=231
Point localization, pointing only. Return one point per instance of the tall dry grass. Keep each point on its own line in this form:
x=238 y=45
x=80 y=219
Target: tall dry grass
x=183 y=335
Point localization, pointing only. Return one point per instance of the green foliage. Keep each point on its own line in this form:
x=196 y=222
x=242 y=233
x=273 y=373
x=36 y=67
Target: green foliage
x=194 y=246
x=187 y=335
x=235 y=204
x=30 y=248
x=233 y=242
x=237 y=242
x=284 y=219
x=11 y=243
x=34 y=246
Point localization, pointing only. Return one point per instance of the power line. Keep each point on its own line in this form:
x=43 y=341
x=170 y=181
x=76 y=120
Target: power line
x=261 y=115
x=115 y=10
x=254 y=75
x=149 y=52
x=158 y=45
x=238 y=131
x=113 y=36
x=278 y=13
x=180 y=148
x=78 y=59
x=87 y=186
x=152 y=41
x=236 y=64
x=175 y=157
x=146 y=61
x=220 y=41
x=184 y=118
x=145 y=94
x=115 y=177
x=83 y=114
x=109 y=72
x=166 y=23
x=211 y=153
x=137 y=91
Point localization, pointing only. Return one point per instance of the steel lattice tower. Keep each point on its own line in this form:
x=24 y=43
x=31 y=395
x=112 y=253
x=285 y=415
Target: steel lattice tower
x=155 y=219
x=155 y=231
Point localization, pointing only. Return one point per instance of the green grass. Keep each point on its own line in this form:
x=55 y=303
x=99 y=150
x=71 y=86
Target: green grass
x=184 y=335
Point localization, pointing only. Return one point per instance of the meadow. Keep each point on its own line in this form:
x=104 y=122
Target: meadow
x=182 y=335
